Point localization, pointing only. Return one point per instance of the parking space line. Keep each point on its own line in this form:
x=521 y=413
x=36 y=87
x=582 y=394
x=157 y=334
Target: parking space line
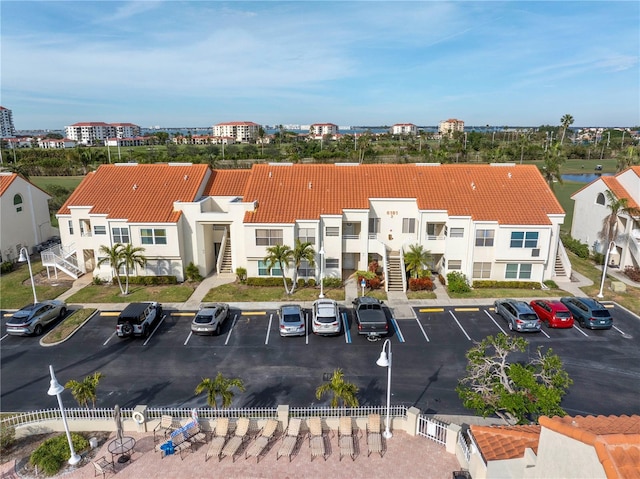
x=110 y=313
x=235 y=318
x=177 y=313
x=610 y=306
x=347 y=331
x=397 y=329
x=545 y=333
x=580 y=330
x=459 y=325
x=109 y=338
x=154 y=330
x=188 y=338
x=3 y=337
x=422 y=329
x=431 y=310
x=619 y=330
x=266 y=340
x=466 y=309
x=306 y=328
x=495 y=322
x=254 y=313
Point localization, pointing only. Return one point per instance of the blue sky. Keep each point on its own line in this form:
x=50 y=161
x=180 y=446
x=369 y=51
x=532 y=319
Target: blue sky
x=197 y=63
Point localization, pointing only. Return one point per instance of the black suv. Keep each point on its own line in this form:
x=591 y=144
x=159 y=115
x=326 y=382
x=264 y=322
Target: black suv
x=137 y=319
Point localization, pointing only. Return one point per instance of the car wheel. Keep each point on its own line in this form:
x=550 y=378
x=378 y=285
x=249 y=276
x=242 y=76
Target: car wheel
x=63 y=311
x=218 y=330
x=127 y=329
x=38 y=330
x=145 y=331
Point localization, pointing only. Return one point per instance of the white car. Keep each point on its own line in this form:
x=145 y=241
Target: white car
x=326 y=317
x=210 y=318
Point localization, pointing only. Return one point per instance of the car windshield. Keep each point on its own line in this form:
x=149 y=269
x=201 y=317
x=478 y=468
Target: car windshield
x=291 y=318
x=203 y=319
x=601 y=313
x=563 y=314
x=528 y=317
x=326 y=314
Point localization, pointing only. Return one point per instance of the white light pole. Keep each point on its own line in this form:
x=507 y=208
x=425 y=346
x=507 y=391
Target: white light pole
x=55 y=389
x=321 y=253
x=604 y=269
x=24 y=256
x=385 y=361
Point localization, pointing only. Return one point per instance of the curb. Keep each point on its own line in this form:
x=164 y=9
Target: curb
x=46 y=345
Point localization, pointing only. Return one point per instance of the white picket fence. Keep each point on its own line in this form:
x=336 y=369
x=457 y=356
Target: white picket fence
x=432 y=429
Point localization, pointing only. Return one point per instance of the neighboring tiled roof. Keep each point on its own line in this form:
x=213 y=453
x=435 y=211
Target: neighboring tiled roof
x=91 y=123
x=617 y=189
x=227 y=183
x=138 y=193
x=237 y=123
x=508 y=194
x=616 y=440
x=505 y=442
x=5 y=181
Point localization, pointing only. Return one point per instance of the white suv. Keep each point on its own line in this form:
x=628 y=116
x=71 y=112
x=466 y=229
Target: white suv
x=137 y=319
x=326 y=317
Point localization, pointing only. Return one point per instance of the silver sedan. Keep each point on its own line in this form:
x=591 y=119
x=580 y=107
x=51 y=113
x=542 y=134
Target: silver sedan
x=33 y=318
x=292 y=322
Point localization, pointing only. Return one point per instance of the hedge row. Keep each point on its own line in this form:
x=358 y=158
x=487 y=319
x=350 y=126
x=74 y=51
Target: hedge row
x=506 y=284
x=148 y=280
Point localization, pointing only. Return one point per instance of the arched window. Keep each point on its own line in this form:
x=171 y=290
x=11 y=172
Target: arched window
x=17 y=202
x=600 y=199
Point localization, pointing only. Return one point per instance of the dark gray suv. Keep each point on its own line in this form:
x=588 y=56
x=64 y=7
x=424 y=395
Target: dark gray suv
x=589 y=312
x=519 y=315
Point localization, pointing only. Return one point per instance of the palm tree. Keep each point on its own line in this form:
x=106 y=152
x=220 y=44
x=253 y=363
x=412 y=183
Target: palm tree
x=340 y=390
x=261 y=135
x=416 y=260
x=566 y=121
x=617 y=206
x=131 y=256
x=281 y=256
x=219 y=387
x=112 y=256
x=85 y=390
x=551 y=167
x=302 y=252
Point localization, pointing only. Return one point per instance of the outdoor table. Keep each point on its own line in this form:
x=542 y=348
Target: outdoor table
x=121 y=447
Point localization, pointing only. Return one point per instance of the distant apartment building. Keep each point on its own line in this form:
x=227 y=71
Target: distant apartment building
x=55 y=143
x=404 y=129
x=448 y=127
x=240 y=131
x=317 y=131
x=97 y=132
x=7 y=130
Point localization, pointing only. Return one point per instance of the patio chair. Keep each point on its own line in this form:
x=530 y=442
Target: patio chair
x=238 y=438
x=219 y=438
x=262 y=441
x=346 y=438
x=374 y=438
x=316 y=438
x=167 y=424
x=103 y=466
x=290 y=439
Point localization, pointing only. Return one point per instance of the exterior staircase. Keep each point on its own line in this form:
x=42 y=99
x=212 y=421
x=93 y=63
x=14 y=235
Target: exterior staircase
x=62 y=260
x=394 y=272
x=559 y=268
x=225 y=266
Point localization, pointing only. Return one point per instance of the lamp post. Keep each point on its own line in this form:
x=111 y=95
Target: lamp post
x=385 y=361
x=24 y=256
x=55 y=389
x=604 y=269
x=321 y=253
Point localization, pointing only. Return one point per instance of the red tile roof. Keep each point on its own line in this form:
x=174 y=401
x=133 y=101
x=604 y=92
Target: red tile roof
x=505 y=442
x=617 y=189
x=227 y=183
x=509 y=194
x=237 y=123
x=5 y=182
x=616 y=440
x=138 y=193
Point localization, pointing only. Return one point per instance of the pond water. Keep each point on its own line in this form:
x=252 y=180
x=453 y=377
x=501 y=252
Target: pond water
x=584 y=177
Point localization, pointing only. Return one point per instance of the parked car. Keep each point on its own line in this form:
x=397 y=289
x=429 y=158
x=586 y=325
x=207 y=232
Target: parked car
x=588 y=312
x=291 y=319
x=210 y=318
x=137 y=319
x=518 y=314
x=33 y=318
x=553 y=313
x=326 y=317
x=370 y=317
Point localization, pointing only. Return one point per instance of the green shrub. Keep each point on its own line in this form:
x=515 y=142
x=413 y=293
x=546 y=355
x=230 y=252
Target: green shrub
x=7 y=437
x=148 y=280
x=551 y=284
x=301 y=283
x=54 y=452
x=241 y=274
x=598 y=258
x=457 y=282
x=6 y=267
x=311 y=282
x=575 y=246
x=269 y=281
x=192 y=273
x=420 y=284
x=332 y=282
x=97 y=280
x=491 y=284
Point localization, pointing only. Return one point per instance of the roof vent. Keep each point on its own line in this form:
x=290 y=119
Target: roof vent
x=310 y=185
x=509 y=174
x=270 y=174
x=135 y=187
x=186 y=177
x=473 y=185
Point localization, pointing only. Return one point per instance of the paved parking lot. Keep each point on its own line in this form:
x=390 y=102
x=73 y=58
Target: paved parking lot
x=428 y=358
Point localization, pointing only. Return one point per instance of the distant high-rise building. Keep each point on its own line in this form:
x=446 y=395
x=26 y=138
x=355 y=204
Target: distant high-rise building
x=447 y=127
x=404 y=129
x=97 y=132
x=240 y=131
x=317 y=131
x=7 y=130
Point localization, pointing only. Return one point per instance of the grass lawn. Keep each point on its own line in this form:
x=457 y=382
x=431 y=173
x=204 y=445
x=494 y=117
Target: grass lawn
x=421 y=294
x=15 y=287
x=509 y=293
x=66 y=181
x=563 y=193
x=233 y=292
x=111 y=294
x=70 y=324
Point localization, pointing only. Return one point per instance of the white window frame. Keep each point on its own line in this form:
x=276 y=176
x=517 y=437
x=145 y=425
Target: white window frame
x=269 y=237
x=408 y=225
x=99 y=230
x=157 y=236
x=454 y=264
x=456 y=232
x=485 y=237
x=118 y=237
x=518 y=271
x=332 y=231
x=331 y=263
x=482 y=270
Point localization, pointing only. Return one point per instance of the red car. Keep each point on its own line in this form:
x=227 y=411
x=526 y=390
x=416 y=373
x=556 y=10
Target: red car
x=554 y=313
